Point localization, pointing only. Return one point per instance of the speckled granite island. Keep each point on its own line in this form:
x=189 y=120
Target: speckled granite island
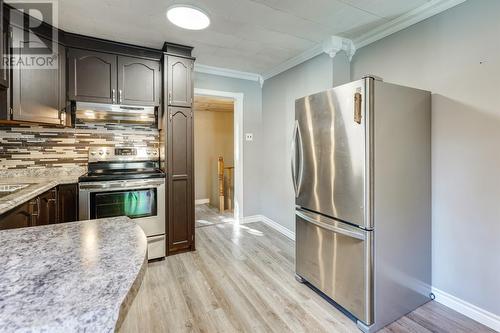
x=71 y=277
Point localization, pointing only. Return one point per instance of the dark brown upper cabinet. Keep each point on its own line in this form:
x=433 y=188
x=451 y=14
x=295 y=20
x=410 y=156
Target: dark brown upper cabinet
x=107 y=78
x=92 y=76
x=4 y=46
x=38 y=94
x=180 y=201
x=138 y=81
x=179 y=81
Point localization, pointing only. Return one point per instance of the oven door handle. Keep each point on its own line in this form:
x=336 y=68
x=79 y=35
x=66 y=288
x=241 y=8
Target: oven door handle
x=120 y=185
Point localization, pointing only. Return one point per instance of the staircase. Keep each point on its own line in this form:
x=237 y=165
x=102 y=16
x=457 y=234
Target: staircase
x=225 y=184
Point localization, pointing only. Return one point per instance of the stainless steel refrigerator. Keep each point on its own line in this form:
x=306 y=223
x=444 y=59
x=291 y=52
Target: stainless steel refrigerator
x=361 y=169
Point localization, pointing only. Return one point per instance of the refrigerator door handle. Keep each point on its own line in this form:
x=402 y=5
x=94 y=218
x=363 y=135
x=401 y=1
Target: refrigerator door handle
x=301 y=159
x=333 y=226
x=293 y=161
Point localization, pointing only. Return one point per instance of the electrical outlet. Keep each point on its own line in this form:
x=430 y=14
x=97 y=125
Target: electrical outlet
x=249 y=136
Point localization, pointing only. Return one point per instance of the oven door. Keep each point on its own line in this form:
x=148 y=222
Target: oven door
x=141 y=200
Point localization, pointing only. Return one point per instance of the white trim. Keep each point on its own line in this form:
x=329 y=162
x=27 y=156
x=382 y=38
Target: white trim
x=467 y=309
x=276 y=226
x=199 y=68
x=414 y=16
x=335 y=44
x=297 y=60
x=250 y=219
x=202 y=201
x=238 y=143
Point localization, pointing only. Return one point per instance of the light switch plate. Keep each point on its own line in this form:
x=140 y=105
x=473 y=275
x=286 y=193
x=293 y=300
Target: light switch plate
x=249 y=136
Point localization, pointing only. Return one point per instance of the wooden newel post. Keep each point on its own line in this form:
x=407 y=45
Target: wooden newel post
x=220 y=172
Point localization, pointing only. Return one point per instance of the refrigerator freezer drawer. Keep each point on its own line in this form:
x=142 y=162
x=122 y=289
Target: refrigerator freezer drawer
x=336 y=258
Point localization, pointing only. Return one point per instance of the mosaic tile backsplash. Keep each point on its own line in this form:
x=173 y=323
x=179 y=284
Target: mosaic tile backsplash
x=33 y=146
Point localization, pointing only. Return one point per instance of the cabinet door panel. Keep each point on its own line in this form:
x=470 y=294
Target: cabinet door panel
x=48 y=208
x=180 y=180
x=92 y=76
x=4 y=33
x=180 y=86
x=138 y=81
x=67 y=196
x=36 y=93
x=19 y=217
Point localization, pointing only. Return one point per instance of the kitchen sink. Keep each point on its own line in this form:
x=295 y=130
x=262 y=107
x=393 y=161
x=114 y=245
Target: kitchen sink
x=8 y=189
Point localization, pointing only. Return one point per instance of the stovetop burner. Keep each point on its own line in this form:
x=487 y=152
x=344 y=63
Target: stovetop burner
x=121 y=164
x=104 y=175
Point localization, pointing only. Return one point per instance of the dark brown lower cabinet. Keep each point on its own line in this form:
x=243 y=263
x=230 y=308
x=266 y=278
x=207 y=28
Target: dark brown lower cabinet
x=180 y=200
x=68 y=202
x=19 y=217
x=58 y=205
x=47 y=208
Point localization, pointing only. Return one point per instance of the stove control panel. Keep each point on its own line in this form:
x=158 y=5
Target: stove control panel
x=102 y=154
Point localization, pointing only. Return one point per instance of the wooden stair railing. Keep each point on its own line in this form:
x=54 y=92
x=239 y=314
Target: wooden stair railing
x=221 y=185
x=220 y=173
x=229 y=187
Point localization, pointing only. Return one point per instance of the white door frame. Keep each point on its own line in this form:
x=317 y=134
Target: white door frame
x=238 y=143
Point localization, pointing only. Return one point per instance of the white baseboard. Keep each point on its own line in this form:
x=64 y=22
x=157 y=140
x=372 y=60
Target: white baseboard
x=276 y=226
x=201 y=201
x=467 y=309
x=250 y=219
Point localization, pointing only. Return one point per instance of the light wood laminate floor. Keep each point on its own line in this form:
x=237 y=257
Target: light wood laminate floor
x=241 y=279
x=206 y=215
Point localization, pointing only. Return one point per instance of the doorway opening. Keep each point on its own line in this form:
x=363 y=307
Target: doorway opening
x=217 y=156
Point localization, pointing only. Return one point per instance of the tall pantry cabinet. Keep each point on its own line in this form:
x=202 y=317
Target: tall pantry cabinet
x=176 y=141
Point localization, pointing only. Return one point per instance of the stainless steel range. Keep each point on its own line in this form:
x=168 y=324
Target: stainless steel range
x=126 y=182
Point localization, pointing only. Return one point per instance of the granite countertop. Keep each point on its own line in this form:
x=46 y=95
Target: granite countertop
x=71 y=277
x=40 y=181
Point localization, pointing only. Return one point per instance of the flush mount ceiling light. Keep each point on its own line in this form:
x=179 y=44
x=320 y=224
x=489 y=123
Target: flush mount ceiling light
x=188 y=17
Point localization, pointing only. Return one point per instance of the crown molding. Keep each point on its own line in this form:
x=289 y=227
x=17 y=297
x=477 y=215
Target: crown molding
x=292 y=62
x=334 y=44
x=199 y=68
x=417 y=15
x=330 y=46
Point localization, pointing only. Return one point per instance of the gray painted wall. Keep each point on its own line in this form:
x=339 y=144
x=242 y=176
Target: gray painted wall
x=252 y=110
x=456 y=56
x=278 y=114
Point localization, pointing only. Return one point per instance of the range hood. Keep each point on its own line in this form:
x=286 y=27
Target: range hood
x=114 y=113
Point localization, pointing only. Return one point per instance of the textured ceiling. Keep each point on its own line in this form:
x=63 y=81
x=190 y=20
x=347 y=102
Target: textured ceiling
x=245 y=35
